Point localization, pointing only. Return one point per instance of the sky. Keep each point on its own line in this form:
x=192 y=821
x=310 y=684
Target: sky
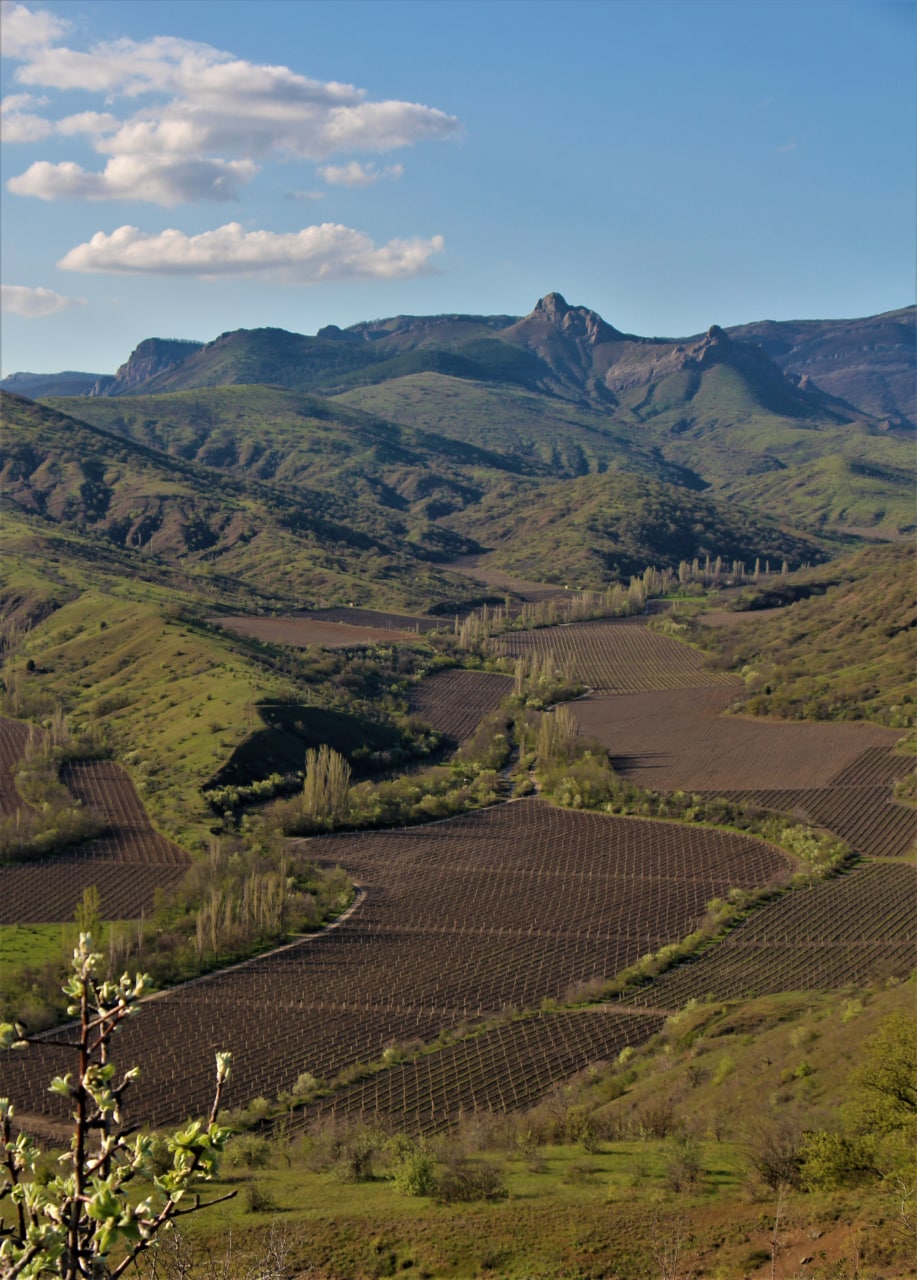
x=181 y=169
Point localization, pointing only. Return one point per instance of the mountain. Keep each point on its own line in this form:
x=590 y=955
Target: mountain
x=152 y=357
x=35 y=386
x=245 y=538
x=840 y=369
x=423 y=417
x=869 y=362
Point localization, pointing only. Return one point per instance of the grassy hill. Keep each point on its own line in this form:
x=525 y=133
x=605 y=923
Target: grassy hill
x=303 y=548
x=582 y=532
x=841 y=648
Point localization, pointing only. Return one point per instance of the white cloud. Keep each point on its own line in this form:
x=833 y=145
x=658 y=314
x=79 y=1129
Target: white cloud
x=87 y=122
x=166 y=182
x=22 y=126
x=325 y=252
x=20 y=102
x=204 y=107
x=23 y=30
x=355 y=174
x=20 y=300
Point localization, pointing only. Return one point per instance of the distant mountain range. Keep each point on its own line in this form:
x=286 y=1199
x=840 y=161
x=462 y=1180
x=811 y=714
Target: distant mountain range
x=848 y=368
x=353 y=466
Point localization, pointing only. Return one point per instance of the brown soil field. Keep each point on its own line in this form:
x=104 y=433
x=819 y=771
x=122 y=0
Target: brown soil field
x=620 y=656
x=498 y=580
x=508 y=1068
x=128 y=862
x=730 y=620
x=378 y=618
x=680 y=740
x=13 y=737
x=465 y=918
x=454 y=702
x=852 y=931
x=300 y=632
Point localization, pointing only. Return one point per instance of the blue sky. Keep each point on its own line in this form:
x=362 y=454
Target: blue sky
x=181 y=169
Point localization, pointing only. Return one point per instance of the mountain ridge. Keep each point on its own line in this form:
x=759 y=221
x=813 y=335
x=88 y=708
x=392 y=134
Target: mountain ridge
x=860 y=367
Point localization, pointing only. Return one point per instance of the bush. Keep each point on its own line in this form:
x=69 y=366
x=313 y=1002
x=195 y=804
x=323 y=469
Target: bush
x=831 y=1160
x=465 y=1182
x=259 y=1199
x=415 y=1173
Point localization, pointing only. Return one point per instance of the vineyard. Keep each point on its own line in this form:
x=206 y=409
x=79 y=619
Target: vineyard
x=301 y=631
x=13 y=738
x=127 y=863
x=614 y=656
x=517 y=904
x=680 y=740
x=508 y=1068
x=848 y=932
x=454 y=702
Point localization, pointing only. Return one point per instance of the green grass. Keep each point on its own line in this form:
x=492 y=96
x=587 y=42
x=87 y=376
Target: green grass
x=31 y=944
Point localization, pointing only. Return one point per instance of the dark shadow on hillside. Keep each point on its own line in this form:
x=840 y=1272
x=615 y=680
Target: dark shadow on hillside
x=291 y=728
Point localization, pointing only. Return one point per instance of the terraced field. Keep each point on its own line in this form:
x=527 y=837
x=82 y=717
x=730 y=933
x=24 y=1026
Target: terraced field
x=465 y=918
x=454 y=702
x=619 y=656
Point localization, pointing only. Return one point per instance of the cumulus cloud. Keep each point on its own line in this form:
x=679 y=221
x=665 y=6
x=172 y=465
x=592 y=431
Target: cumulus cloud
x=202 y=106
x=355 y=174
x=166 y=182
x=20 y=300
x=24 y=30
x=314 y=254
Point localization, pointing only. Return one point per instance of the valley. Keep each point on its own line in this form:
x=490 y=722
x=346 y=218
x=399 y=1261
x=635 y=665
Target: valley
x=464 y=707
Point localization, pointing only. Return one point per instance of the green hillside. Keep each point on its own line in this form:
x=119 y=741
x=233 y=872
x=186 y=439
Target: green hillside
x=308 y=548
x=583 y=532
x=842 y=648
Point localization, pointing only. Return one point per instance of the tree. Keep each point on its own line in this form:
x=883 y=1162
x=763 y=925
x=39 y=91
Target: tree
x=326 y=789
x=84 y=1222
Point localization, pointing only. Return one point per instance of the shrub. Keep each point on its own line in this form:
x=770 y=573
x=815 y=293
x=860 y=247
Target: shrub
x=465 y=1182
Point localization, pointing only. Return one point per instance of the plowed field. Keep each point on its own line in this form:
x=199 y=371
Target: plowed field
x=300 y=632
x=454 y=702
x=859 y=929
x=127 y=863
x=620 y=656
x=840 y=775
x=679 y=739
x=13 y=737
x=506 y=1069
x=496 y=909
x=498 y=580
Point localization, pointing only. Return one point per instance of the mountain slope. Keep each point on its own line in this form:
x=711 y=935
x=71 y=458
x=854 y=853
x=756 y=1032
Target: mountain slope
x=586 y=531
x=867 y=362
x=314 y=547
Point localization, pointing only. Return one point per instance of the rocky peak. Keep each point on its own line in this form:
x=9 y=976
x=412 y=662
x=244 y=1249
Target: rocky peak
x=575 y=322
x=149 y=358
